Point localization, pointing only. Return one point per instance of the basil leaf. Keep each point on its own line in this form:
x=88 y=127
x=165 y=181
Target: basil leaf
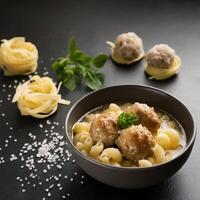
x=57 y=64
x=71 y=83
x=77 y=66
x=94 y=80
x=72 y=47
x=100 y=60
x=84 y=60
x=77 y=54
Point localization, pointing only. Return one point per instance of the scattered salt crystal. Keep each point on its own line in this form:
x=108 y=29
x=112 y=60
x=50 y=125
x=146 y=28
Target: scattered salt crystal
x=62 y=143
x=49 y=151
x=49 y=194
x=56 y=178
x=59 y=166
x=13 y=157
x=51 y=186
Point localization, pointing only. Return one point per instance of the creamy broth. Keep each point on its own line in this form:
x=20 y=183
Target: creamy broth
x=161 y=146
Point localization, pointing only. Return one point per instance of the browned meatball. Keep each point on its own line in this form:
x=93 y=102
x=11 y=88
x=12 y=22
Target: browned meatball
x=128 y=46
x=161 y=56
x=135 y=143
x=104 y=129
x=147 y=116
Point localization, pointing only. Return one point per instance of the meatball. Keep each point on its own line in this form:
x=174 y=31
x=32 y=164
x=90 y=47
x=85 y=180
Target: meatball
x=104 y=129
x=128 y=46
x=161 y=56
x=135 y=143
x=147 y=116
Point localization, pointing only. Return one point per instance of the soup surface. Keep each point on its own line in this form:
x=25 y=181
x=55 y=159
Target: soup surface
x=129 y=135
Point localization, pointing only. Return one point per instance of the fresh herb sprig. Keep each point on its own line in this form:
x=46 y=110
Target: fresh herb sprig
x=77 y=67
x=125 y=120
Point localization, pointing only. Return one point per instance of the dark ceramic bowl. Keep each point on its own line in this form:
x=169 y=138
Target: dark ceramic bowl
x=124 y=177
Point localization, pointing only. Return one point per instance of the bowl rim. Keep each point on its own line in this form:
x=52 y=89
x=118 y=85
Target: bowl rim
x=130 y=168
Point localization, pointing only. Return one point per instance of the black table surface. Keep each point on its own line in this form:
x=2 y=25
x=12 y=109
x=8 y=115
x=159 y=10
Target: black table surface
x=49 y=25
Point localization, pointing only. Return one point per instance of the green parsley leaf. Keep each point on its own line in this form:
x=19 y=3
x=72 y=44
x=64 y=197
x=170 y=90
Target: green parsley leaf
x=125 y=120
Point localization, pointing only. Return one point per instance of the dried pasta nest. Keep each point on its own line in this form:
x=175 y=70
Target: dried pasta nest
x=127 y=49
x=38 y=97
x=164 y=73
x=162 y=62
x=18 y=57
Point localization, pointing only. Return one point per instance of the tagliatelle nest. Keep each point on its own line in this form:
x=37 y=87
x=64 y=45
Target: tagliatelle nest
x=38 y=97
x=18 y=57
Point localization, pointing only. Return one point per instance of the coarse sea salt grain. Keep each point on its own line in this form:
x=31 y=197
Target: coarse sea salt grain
x=13 y=157
x=49 y=194
x=41 y=126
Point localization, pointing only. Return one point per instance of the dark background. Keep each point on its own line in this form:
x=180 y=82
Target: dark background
x=50 y=24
